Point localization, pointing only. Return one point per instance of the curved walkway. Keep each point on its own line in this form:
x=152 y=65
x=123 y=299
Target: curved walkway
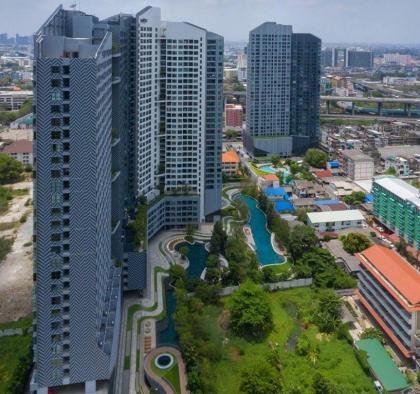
x=161 y=381
x=150 y=306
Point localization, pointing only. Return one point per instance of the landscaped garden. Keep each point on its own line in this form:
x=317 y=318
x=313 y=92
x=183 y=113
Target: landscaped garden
x=170 y=374
x=293 y=357
x=15 y=357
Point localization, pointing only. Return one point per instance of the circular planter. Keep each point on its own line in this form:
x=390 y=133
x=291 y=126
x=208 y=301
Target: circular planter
x=164 y=361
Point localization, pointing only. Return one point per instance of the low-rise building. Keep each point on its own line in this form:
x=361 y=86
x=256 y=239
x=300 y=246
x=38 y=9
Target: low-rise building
x=230 y=163
x=268 y=180
x=357 y=165
x=400 y=165
x=234 y=115
x=304 y=189
x=396 y=204
x=20 y=150
x=335 y=220
x=12 y=100
x=389 y=288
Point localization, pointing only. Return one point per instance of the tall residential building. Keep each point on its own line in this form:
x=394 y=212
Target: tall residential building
x=283 y=85
x=242 y=65
x=389 y=288
x=234 y=115
x=397 y=205
x=126 y=109
x=398 y=58
x=180 y=120
x=359 y=58
x=77 y=284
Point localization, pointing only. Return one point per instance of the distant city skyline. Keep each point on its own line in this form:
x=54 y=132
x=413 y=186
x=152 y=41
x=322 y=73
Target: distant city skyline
x=362 y=21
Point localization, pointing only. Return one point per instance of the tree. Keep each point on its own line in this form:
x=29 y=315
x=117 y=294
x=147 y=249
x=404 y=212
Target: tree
x=177 y=273
x=390 y=171
x=302 y=239
x=373 y=333
x=189 y=231
x=183 y=251
x=327 y=315
x=355 y=198
x=218 y=239
x=230 y=134
x=301 y=214
x=251 y=314
x=213 y=271
x=260 y=379
x=322 y=385
x=276 y=160
x=316 y=158
x=10 y=169
x=355 y=242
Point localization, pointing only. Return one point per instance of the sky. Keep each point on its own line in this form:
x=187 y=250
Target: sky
x=362 y=21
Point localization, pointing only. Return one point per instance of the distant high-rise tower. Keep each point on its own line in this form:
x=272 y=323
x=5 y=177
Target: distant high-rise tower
x=282 y=90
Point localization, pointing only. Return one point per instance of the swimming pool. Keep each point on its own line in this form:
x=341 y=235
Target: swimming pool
x=262 y=237
x=270 y=170
x=197 y=256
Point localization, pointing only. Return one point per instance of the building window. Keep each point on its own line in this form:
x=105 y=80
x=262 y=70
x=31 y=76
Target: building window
x=56 y=83
x=56 y=96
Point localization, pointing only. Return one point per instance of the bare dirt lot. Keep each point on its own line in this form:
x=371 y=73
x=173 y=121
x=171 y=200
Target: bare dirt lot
x=16 y=269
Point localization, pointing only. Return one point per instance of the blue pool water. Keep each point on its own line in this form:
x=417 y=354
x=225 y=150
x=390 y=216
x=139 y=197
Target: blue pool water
x=258 y=222
x=197 y=256
x=270 y=170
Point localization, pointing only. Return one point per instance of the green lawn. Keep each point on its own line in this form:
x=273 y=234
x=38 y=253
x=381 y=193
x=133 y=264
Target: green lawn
x=171 y=375
x=11 y=349
x=336 y=359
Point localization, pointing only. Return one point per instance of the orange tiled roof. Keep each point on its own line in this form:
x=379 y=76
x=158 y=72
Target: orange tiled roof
x=230 y=157
x=271 y=177
x=398 y=276
x=323 y=173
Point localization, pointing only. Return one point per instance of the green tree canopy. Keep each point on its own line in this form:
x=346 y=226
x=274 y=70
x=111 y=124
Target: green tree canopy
x=276 y=160
x=183 y=251
x=251 y=314
x=355 y=242
x=316 y=158
x=260 y=378
x=321 y=266
x=373 y=333
x=327 y=315
x=301 y=239
x=390 y=171
x=10 y=169
x=355 y=198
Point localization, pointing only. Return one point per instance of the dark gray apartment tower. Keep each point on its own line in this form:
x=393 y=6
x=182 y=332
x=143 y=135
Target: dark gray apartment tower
x=214 y=123
x=358 y=58
x=83 y=125
x=305 y=91
x=283 y=81
x=268 y=90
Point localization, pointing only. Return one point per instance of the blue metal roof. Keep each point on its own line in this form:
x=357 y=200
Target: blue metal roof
x=334 y=164
x=327 y=202
x=369 y=198
x=282 y=206
x=275 y=192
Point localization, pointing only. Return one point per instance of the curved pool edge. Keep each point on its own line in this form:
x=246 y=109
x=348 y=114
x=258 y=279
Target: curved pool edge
x=271 y=234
